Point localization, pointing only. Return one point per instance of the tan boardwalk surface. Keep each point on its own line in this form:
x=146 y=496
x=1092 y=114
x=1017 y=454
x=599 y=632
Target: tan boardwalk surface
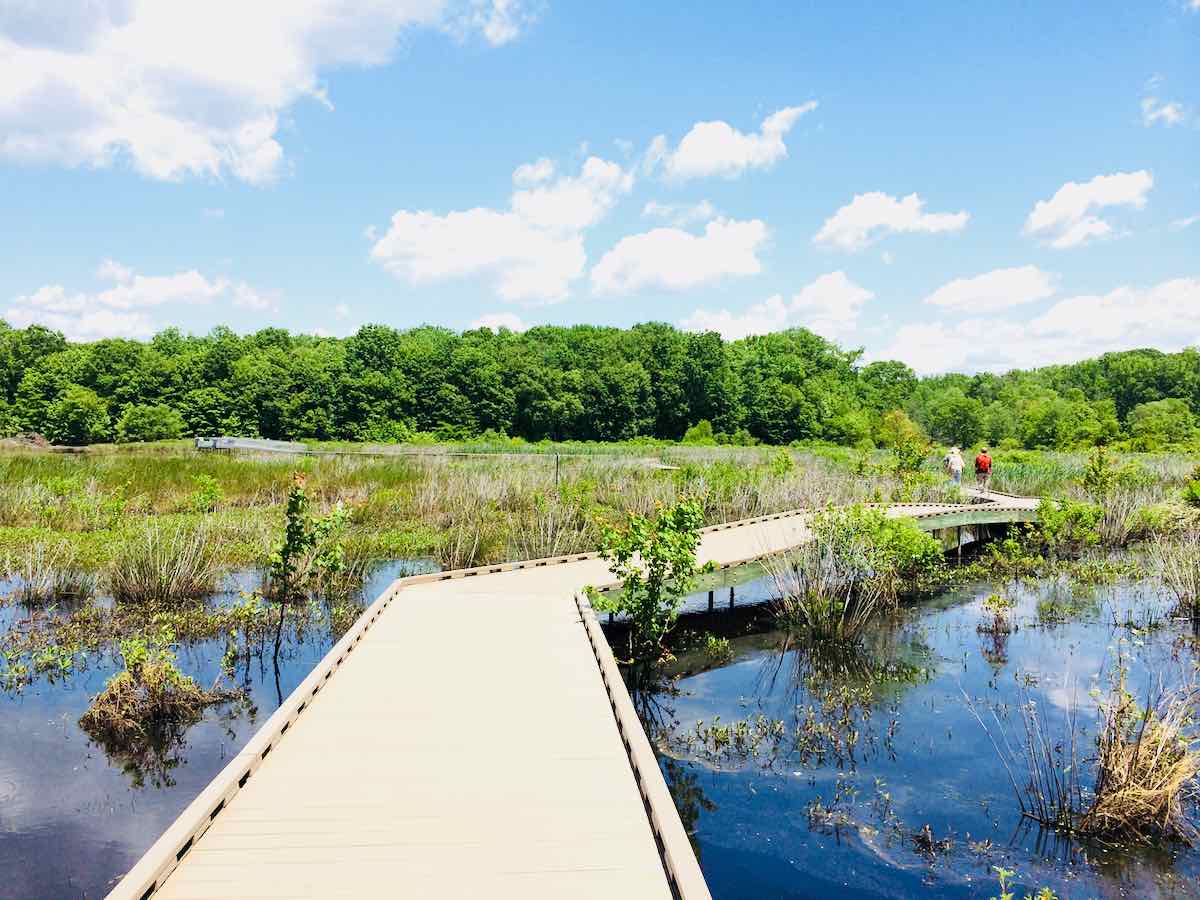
x=466 y=748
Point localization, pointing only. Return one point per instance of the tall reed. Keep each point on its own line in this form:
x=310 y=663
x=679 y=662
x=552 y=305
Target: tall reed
x=161 y=564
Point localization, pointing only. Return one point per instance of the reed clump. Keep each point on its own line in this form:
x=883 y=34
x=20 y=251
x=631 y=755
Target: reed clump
x=48 y=573
x=856 y=565
x=1147 y=761
x=164 y=563
x=1177 y=562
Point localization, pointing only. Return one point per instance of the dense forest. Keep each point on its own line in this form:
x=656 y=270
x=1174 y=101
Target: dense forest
x=577 y=383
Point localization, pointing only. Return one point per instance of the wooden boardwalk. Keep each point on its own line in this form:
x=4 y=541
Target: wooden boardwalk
x=464 y=740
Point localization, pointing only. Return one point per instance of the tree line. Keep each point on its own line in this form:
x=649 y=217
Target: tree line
x=571 y=383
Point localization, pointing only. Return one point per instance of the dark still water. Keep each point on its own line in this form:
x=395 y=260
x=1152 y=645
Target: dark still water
x=867 y=774
x=73 y=819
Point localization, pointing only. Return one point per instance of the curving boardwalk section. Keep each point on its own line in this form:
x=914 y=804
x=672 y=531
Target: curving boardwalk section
x=465 y=739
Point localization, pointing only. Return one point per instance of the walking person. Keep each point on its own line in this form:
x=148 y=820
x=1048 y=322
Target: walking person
x=953 y=462
x=983 y=469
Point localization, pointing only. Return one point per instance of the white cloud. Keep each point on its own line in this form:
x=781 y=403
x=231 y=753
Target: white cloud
x=1165 y=316
x=1067 y=219
x=533 y=251
x=1188 y=221
x=873 y=215
x=496 y=321
x=680 y=214
x=534 y=172
x=998 y=289
x=120 y=310
x=1155 y=111
x=500 y=21
x=829 y=306
x=717 y=148
x=674 y=259
x=181 y=89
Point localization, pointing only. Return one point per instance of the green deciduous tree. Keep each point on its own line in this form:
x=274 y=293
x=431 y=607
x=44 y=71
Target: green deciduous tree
x=148 y=422
x=77 y=417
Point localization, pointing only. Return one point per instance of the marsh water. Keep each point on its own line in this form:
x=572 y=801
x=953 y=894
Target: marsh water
x=806 y=773
x=73 y=818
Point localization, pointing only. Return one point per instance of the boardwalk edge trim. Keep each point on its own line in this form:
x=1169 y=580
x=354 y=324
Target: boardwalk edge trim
x=674 y=848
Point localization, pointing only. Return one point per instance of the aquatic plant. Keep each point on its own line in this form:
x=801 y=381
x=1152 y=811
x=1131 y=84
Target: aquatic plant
x=856 y=564
x=1148 y=758
x=996 y=608
x=48 y=572
x=208 y=494
x=148 y=696
x=717 y=648
x=1177 y=562
x=654 y=559
x=310 y=556
x=161 y=563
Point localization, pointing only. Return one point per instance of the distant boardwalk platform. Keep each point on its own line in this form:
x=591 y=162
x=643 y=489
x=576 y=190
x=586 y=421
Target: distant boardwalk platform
x=469 y=737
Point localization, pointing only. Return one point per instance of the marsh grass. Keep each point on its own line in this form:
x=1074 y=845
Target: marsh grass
x=160 y=564
x=824 y=595
x=1177 y=562
x=1148 y=759
x=48 y=573
x=1145 y=764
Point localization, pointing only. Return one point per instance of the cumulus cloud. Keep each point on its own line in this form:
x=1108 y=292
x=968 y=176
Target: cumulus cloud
x=121 y=309
x=1068 y=218
x=1154 y=112
x=183 y=89
x=532 y=251
x=673 y=259
x=717 y=148
x=994 y=290
x=1165 y=316
x=496 y=321
x=870 y=216
x=829 y=306
x=680 y=214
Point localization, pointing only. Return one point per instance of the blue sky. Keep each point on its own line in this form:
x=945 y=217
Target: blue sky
x=961 y=187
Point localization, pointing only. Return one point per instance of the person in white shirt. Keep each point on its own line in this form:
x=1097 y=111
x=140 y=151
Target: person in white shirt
x=954 y=465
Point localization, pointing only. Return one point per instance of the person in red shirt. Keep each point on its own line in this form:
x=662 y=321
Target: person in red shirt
x=983 y=469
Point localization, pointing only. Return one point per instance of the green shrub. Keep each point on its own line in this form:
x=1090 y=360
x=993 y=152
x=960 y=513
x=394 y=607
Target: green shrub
x=654 y=558
x=79 y=416
x=700 y=433
x=208 y=494
x=1068 y=526
x=145 y=422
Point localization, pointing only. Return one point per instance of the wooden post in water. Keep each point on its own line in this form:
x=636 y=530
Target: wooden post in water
x=958 y=541
x=731 y=596
x=710 y=600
